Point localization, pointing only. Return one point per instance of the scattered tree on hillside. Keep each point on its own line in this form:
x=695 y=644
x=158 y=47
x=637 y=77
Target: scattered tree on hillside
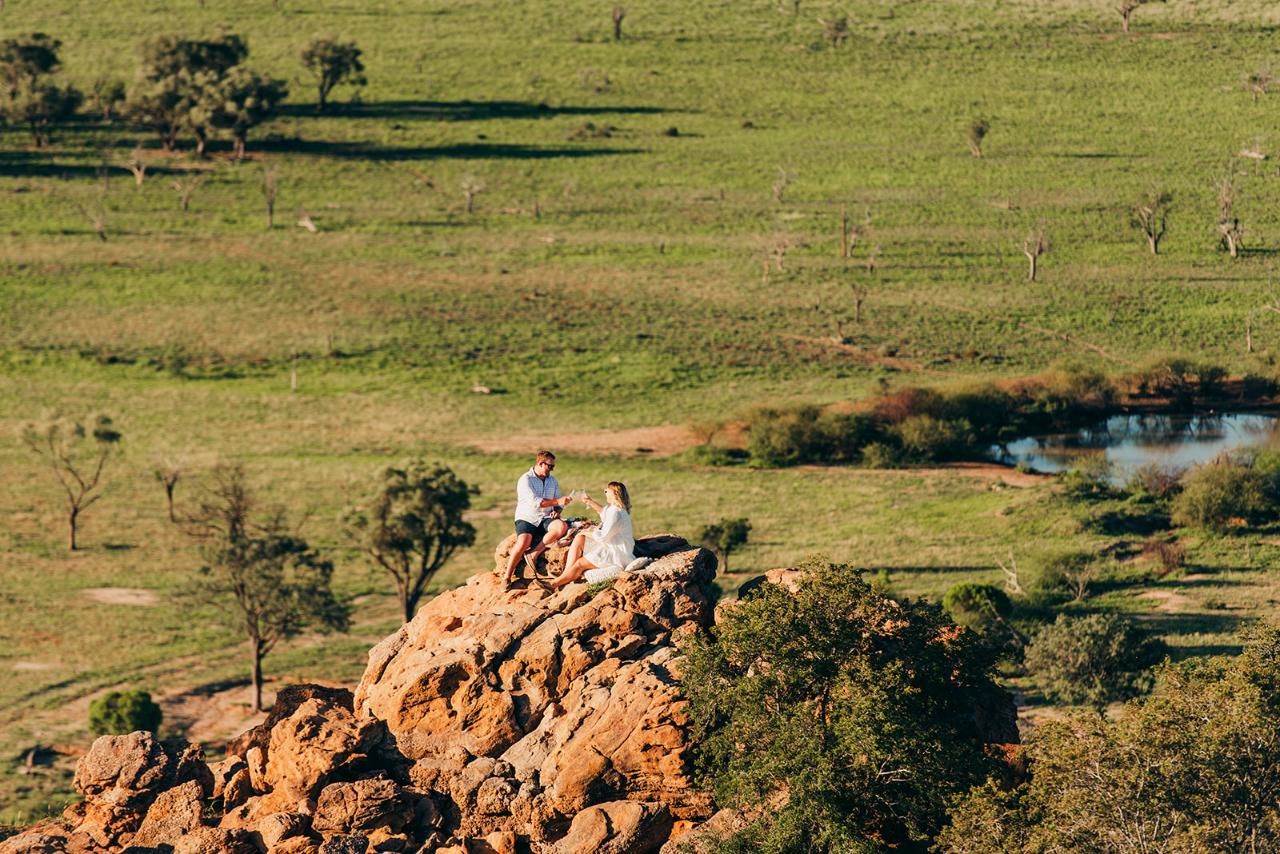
x=333 y=63
x=27 y=96
x=414 y=525
x=168 y=471
x=137 y=166
x=177 y=83
x=835 y=30
x=1128 y=7
x=725 y=537
x=1151 y=217
x=471 y=187
x=977 y=132
x=618 y=14
x=1093 y=660
x=837 y=718
x=1230 y=232
x=781 y=183
x=1259 y=83
x=982 y=608
x=107 y=95
x=244 y=100
x=1035 y=244
x=270 y=187
x=186 y=187
x=270 y=582
x=78 y=456
x=1194 y=767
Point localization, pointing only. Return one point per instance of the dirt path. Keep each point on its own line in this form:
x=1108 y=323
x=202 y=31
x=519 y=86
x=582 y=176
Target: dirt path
x=1167 y=601
x=136 y=596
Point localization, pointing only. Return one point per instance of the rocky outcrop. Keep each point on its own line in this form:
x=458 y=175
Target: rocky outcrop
x=496 y=721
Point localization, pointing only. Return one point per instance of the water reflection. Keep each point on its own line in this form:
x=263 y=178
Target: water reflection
x=1132 y=441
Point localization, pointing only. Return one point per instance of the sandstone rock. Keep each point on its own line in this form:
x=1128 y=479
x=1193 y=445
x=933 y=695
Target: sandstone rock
x=364 y=805
x=256 y=761
x=345 y=845
x=138 y=763
x=316 y=740
x=237 y=790
x=34 y=842
x=277 y=827
x=295 y=845
x=223 y=772
x=706 y=836
x=213 y=840
x=287 y=701
x=175 y=813
x=620 y=827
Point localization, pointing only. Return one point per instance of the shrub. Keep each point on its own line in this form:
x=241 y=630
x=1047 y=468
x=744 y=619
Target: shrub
x=1090 y=477
x=859 y=714
x=786 y=437
x=1195 y=760
x=1168 y=554
x=123 y=712
x=882 y=455
x=1216 y=496
x=901 y=405
x=710 y=455
x=725 y=537
x=1092 y=660
x=981 y=608
x=847 y=434
x=924 y=437
x=1156 y=481
x=1060 y=572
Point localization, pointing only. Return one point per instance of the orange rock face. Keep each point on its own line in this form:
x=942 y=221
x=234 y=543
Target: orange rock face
x=495 y=721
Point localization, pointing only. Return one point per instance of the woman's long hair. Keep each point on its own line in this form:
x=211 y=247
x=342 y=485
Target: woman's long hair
x=617 y=494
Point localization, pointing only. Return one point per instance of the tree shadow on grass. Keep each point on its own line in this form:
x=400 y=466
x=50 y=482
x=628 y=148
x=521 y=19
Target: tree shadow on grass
x=461 y=151
x=460 y=111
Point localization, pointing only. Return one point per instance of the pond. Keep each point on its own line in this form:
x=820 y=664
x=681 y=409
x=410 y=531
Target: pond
x=1130 y=442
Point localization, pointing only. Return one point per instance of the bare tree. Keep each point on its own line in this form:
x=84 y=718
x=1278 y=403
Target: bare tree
x=781 y=183
x=270 y=582
x=186 y=188
x=1012 y=582
x=471 y=187
x=1230 y=232
x=978 y=130
x=77 y=455
x=168 y=471
x=1259 y=83
x=706 y=431
x=1151 y=216
x=1034 y=245
x=97 y=217
x=270 y=187
x=305 y=221
x=137 y=166
x=618 y=14
x=1126 y=8
x=835 y=30
x=851 y=234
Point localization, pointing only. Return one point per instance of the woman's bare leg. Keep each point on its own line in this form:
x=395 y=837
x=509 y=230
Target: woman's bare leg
x=573 y=573
x=575 y=551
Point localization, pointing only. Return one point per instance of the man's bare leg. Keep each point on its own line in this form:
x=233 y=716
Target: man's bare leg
x=522 y=543
x=555 y=531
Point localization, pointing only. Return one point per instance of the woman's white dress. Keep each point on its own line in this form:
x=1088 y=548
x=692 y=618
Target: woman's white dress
x=611 y=546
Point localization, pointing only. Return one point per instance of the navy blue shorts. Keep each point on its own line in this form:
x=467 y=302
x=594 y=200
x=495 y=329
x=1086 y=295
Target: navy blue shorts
x=538 y=531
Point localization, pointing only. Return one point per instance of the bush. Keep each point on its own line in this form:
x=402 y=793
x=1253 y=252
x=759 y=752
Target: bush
x=981 y=608
x=710 y=455
x=123 y=712
x=926 y=438
x=882 y=455
x=1061 y=572
x=806 y=434
x=1217 y=496
x=1092 y=660
x=1156 y=481
x=1090 y=477
x=859 y=713
x=1168 y=554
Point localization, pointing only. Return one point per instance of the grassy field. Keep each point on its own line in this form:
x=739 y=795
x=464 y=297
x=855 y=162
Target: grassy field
x=610 y=278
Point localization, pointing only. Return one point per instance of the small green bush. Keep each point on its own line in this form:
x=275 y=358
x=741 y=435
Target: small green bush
x=978 y=607
x=710 y=455
x=786 y=437
x=882 y=455
x=1060 y=572
x=123 y=712
x=926 y=438
x=1094 y=659
x=1090 y=477
x=1215 y=495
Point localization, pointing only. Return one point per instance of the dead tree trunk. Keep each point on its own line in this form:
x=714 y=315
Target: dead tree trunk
x=256 y=651
x=618 y=14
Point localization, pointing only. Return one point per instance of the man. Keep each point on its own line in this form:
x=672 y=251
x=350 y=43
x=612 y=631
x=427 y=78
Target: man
x=538 y=522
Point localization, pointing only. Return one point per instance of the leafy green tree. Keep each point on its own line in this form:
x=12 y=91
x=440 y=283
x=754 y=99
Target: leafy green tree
x=414 y=525
x=123 y=712
x=848 y=718
x=985 y=609
x=27 y=97
x=1094 y=659
x=1194 y=768
x=77 y=455
x=176 y=80
x=245 y=99
x=332 y=63
x=725 y=537
x=269 y=582
x=1214 y=496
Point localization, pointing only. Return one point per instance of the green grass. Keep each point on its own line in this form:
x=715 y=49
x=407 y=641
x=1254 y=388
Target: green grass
x=633 y=298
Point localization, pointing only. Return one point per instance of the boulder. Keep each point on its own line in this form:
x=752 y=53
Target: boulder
x=287 y=701
x=277 y=827
x=214 y=840
x=175 y=813
x=364 y=805
x=619 y=827
x=139 y=764
x=318 y=739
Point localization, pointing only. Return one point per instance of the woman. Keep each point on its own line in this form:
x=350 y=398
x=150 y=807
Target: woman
x=607 y=549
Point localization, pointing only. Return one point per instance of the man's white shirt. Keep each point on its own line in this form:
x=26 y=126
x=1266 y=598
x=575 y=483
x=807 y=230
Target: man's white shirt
x=531 y=491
